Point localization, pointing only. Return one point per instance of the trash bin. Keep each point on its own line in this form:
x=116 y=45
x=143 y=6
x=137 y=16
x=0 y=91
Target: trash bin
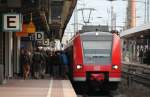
x=1 y=74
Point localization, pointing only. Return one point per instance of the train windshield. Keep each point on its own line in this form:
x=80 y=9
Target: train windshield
x=97 y=51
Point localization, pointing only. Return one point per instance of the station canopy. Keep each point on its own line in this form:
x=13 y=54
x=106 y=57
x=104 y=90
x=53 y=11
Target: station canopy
x=49 y=16
x=137 y=32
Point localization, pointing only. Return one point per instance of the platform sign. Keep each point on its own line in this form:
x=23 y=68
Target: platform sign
x=39 y=36
x=32 y=36
x=12 y=22
x=46 y=42
x=40 y=43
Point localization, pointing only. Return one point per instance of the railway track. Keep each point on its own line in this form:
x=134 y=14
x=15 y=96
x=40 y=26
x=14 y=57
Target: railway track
x=85 y=91
x=95 y=95
x=137 y=73
x=101 y=94
x=133 y=73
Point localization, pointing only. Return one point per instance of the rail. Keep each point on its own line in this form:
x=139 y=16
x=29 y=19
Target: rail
x=136 y=72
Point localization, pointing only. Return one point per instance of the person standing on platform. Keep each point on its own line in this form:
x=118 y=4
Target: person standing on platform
x=26 y=65
x=43 y=64
x=60 y=63
x=50 y=63
x=64 y=68
x=141 y=56
x=56 y=65
x=22 y=61
x=36 y=63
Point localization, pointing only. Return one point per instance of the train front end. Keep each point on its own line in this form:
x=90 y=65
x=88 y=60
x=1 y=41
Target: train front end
x=97 y=57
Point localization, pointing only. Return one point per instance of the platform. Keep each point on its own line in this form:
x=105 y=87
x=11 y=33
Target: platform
x=37 y=88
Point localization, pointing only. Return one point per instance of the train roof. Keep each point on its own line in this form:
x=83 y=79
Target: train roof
x=89 y=34
x=93 y=33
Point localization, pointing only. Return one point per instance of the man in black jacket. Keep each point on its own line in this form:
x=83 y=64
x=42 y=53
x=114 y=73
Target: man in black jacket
x=36 y=59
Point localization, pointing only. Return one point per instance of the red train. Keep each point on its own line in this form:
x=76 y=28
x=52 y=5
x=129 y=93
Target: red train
x=95 y=56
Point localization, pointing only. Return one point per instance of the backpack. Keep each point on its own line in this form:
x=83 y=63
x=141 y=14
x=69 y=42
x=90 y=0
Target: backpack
x=65 y=60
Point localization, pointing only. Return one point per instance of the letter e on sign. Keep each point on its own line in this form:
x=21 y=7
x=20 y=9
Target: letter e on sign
x=12 y=22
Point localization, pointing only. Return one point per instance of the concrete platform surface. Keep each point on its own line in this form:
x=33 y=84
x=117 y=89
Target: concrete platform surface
x=37 y=88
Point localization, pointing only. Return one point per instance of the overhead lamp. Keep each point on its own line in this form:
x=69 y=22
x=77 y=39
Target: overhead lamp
x=141 y=36
x=31 y=28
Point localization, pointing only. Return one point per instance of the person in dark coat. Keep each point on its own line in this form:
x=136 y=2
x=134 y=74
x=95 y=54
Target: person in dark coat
x=43 y=63
x=50 y=63
x=22 y=61
x=141 y=56
x=64 y=61
x=36 y=59
x=56 y=65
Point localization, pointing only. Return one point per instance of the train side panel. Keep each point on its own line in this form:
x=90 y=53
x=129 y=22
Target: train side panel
x=78 y=74
x=115 y=73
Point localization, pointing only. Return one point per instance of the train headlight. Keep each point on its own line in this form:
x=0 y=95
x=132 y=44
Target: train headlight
x=79 y=66
x=115 y=66
x=97 y=33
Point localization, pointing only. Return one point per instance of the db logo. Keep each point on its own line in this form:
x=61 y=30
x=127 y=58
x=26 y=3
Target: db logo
x=96 y=68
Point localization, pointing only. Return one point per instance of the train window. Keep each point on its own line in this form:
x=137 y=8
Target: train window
x=97 y=44
x=97 y=48
x=97 y=52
